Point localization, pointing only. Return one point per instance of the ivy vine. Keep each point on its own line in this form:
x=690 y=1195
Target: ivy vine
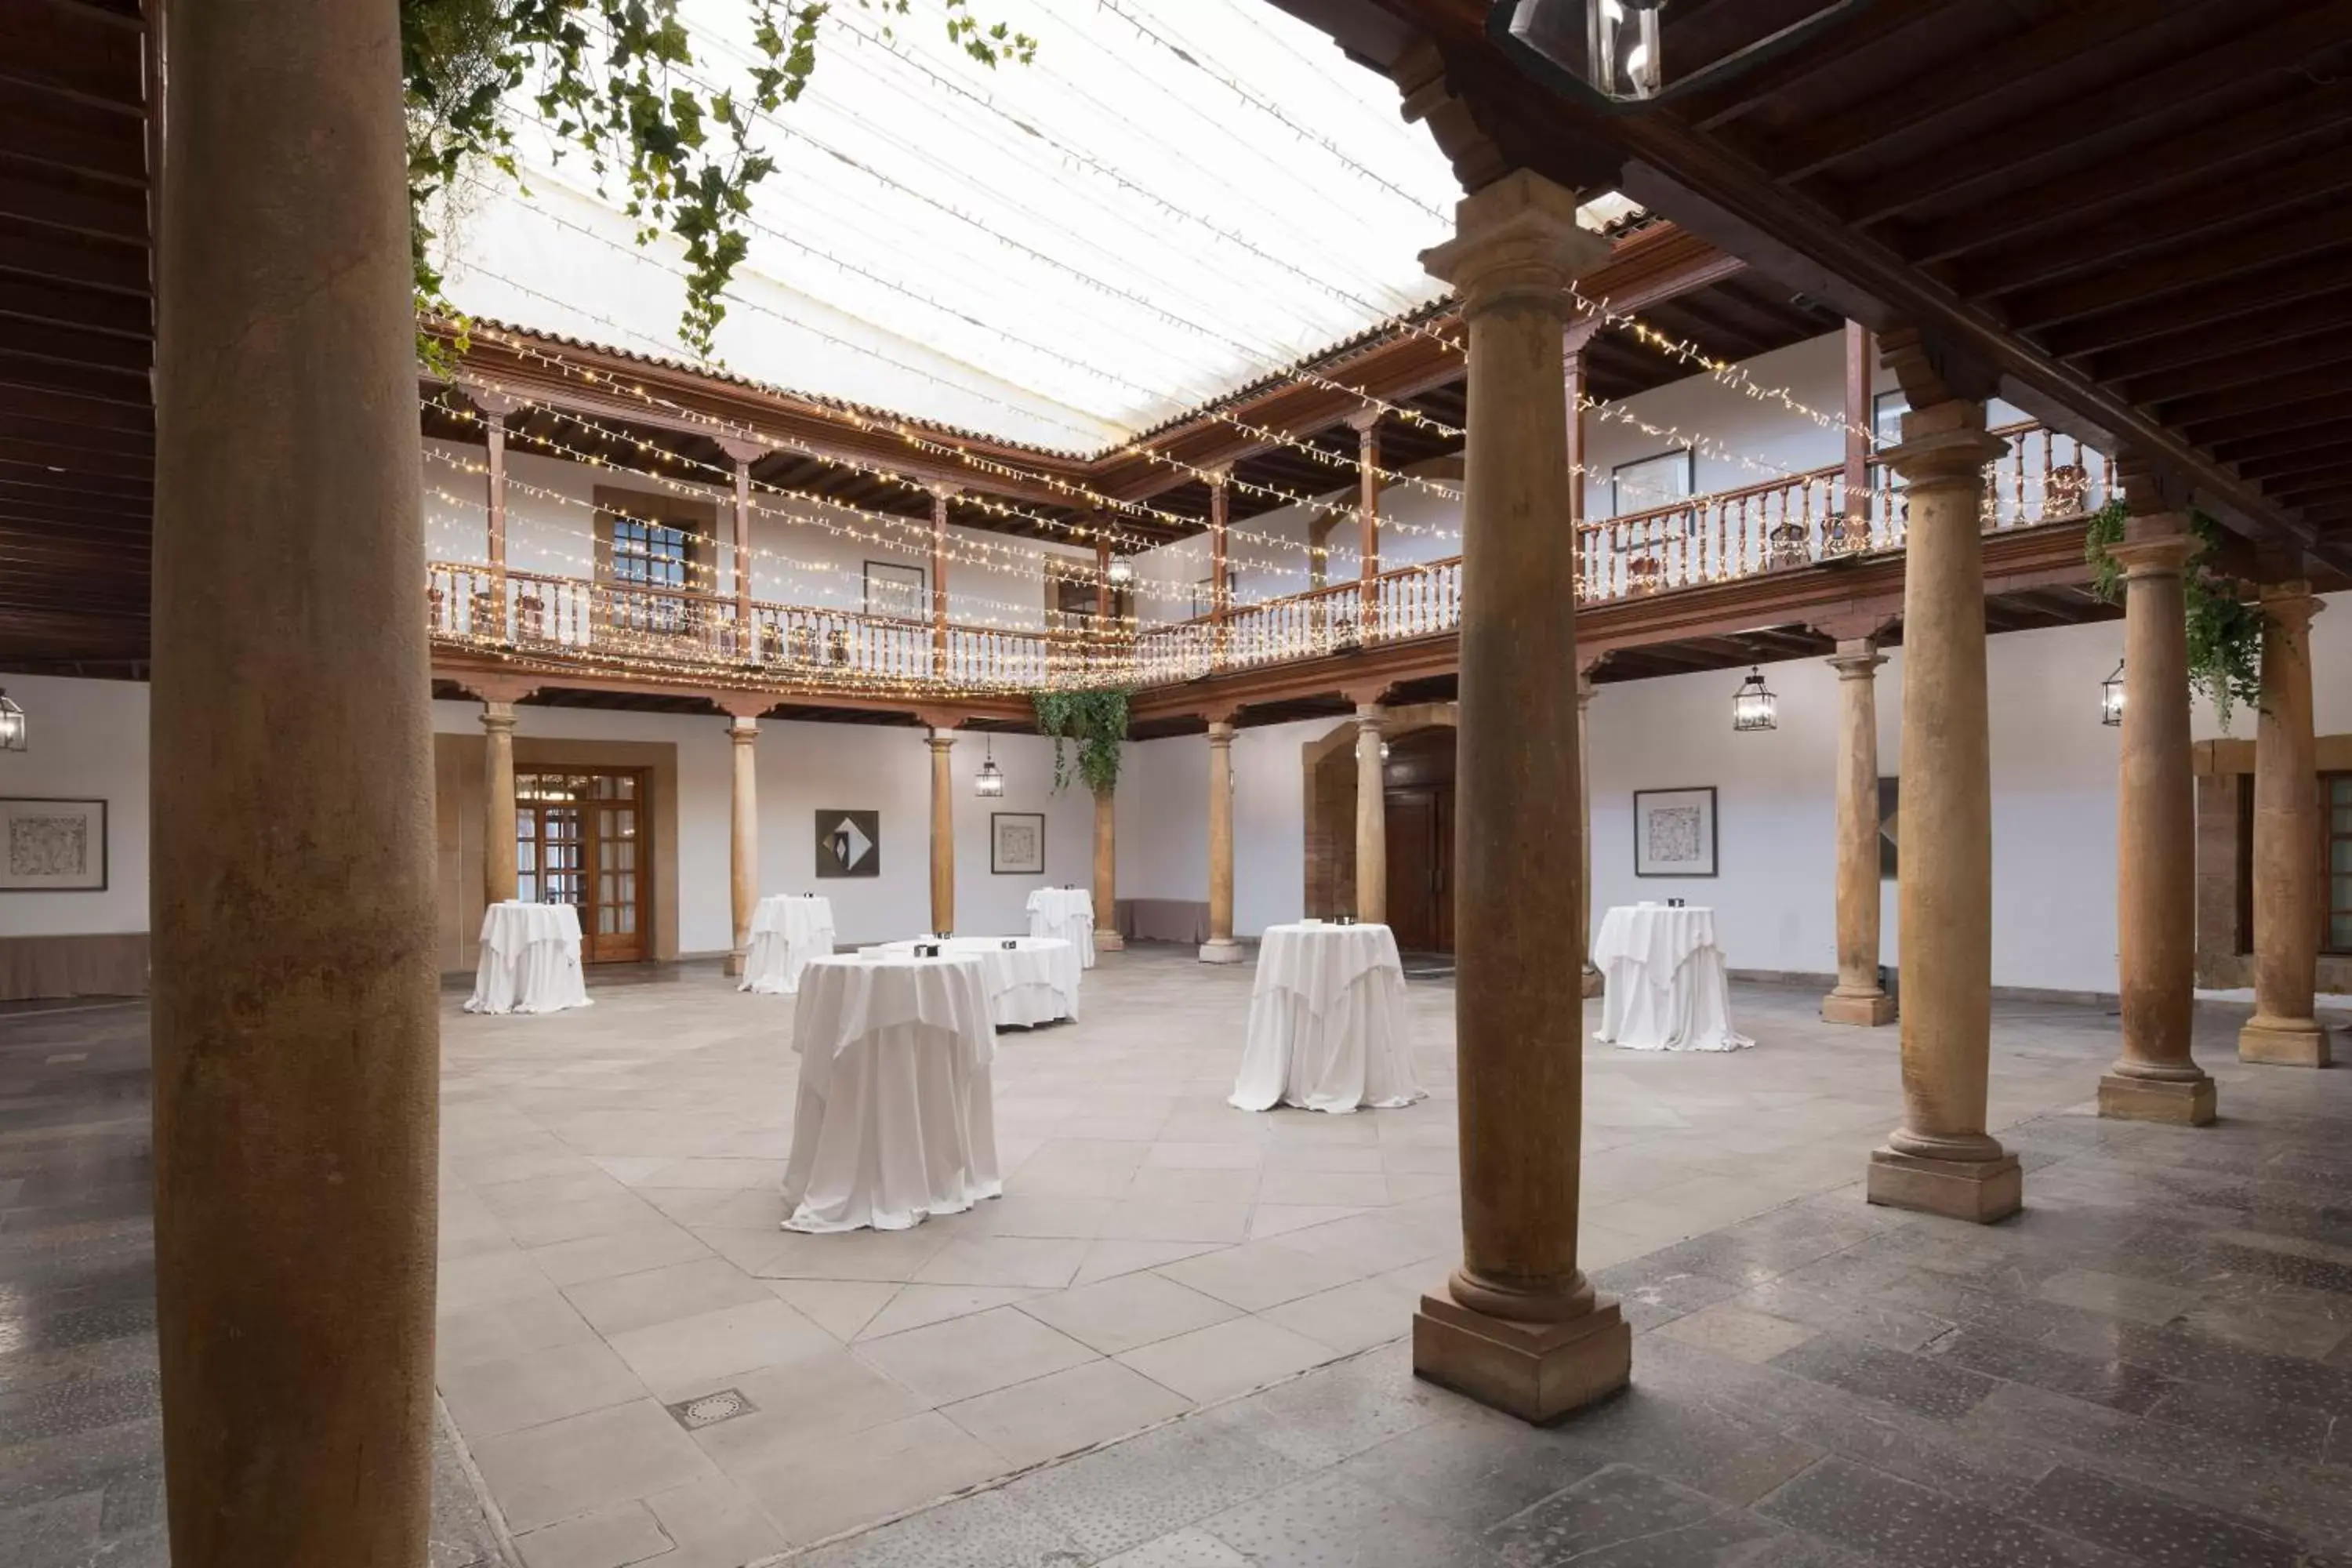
x=1094 y=722
x=2225 y=623
x=617 y=80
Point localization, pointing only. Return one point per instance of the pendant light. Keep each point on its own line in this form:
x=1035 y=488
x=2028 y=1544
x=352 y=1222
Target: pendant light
x=1122 y=573
x=2111 y=697
x=1753 y=705
x=12 y=725
x=1608 y=53
x=990 y=783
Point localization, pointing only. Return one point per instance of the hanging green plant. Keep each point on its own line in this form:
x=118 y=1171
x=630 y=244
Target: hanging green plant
x=2225 y=623
x=1094 y=722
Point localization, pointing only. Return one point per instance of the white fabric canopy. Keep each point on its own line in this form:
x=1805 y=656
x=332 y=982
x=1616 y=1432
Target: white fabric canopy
x=895 y=1118
x=1067 y=913
x=1035 y=981
x=1327 y=1027
x=787 y=931
x=529 y=960
x=1666 y=990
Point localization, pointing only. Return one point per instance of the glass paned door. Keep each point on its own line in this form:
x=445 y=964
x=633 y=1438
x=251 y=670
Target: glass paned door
x=579 y=840
x=2336 y=795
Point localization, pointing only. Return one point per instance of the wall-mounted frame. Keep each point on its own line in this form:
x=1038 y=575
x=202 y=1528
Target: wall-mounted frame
x=1890 y=811
x=1647 y=483
x=848 y=843
x=52 y=846
x=1016 y=843
x=892 y=588
x=1674 y=832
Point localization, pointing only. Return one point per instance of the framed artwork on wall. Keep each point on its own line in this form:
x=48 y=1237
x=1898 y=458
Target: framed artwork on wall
x=52 y=846
x=848 y=843
x=1016 y=843
x=895 y=590
x=1673 y=832
x=1890 y=801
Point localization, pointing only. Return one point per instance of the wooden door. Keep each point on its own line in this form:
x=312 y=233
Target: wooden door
x=580 y=839
x=1414 y=869
x=1441 y=854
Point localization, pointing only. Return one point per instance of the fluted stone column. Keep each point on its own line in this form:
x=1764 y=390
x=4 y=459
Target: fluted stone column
x=1107 y=937
x=1858 y=998
x=291 y=864
x=500 y=876
x=2287 y=887
x=1372 y=818
x=2155 y=1080
x=1941 y=1159
x=743 y=851
x=942 y=834
x=1221 y=947
x=1519 y=1325
x=1588 y=982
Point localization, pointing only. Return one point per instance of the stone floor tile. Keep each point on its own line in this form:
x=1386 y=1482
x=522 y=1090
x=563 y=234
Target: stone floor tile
x=1355 y=1317
x=1620 y=1515
x=989 y=1528
x=1116 y=1498
x=1331 y=1189
x=1176 y=1219
x=1923 y=1385
x=1262 y=1274
x=1183 y=1549
x=2162 y=1532
x=713 y=1525
x=1166 y=1155
x=608 y=1537
x=618 y=1303
x=840 y=1307
x=1894 y=1519
x=2117 y=1296
x=826 y=1488
x=1050 y=1217
x=1129 y=1310
x=1329 y=1520
x=1737 y=1330
x=586 y=1462
x=870 y=1254
x=2110 y=1383
x=1028 y=1262
x=1225 y=1359
x=813 y=1398
x=1065 y=1412
x=2240 y=1417
x=919 y=1306
x=973 y=1355
x=489 y=1397
x=1471 y=1467
x=652 y=1246
x=686 y=1356
x=1107 y=1259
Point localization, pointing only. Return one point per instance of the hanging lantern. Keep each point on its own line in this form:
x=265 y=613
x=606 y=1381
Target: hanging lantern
x=990 y=783
x=2111 y=697
x=1607 y=53
x=12 y=725
x=1122 y=573
x=1621 y=48
x=1753 y=705
x=1385 y=751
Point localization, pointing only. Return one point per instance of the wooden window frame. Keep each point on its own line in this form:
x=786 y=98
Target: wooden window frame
x=2328 y=839
x=696 y=519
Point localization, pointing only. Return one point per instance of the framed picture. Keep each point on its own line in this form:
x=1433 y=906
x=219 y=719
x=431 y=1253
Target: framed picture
x=1890 y=802
x=52 y=846
x=895 y=590
x=848 y=843
x=1016 y=843
x=1673 y=832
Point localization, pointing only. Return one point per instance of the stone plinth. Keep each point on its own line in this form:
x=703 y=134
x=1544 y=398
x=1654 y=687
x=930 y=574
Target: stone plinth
x=1536 y=1372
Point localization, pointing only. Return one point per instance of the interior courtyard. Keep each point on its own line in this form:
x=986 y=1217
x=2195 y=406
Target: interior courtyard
x=1322 y=782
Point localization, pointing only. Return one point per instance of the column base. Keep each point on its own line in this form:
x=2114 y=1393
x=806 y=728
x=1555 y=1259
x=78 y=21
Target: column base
x=735 y=961
x=1223 y=950
x=2180 y=1102
x=1110 y=942
x=1977 y=1191
x=1592 y=983
x=1536 y=1372
x=1866 y=1008
x=2286 y=1043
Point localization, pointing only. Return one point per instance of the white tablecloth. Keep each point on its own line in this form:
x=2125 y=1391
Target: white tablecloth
x=897 y=1117
x=1067 y=913
x=1035 y=982
x=529 y=960
x=1666 y=990
x=787 y=931
x=1327 y=1022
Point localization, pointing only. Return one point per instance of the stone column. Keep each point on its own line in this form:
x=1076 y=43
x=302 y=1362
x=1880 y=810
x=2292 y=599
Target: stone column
x=743 y=454
x=940 y=494
x=942 y=834
x=1221 y=947
x=2155 y=1080
x=2287 y=912
x=744 y=855
x=1107 y=937
x=498 y=874
x=1589 y=981
x=1519 y=1326
x=1220 y=574
x=296 y=984
x=1367 y=425
x=1940 y=1159
x=1858 y=998
x=1371 y=818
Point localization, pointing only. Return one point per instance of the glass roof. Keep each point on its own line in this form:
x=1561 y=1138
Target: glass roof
x=1176 y=198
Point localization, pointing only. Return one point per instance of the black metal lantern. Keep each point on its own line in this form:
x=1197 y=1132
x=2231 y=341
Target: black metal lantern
x=1753 y=705
x=12 y=725
x=1610 y=54
x=1121 y=572
x=2111 y=697
x=989 y=783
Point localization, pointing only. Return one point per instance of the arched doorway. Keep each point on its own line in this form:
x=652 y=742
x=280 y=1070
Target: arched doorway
x=1417 y=799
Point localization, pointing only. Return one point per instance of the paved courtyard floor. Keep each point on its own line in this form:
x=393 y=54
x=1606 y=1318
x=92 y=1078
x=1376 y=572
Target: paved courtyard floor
x=2155 y=1358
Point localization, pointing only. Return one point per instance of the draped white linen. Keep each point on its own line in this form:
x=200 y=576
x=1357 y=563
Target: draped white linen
x=529 y=960
x=1036 y=980
x=895 y=1118
x=787 y=931
x=1067 y=913
x=1327 y=1027
x=1666 y=989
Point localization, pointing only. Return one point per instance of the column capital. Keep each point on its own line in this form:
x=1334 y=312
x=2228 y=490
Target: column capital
x=498 y=716
x=1221 y=732
x=1584 y=690
x=745 y=706
x=2155 y=544
x=497 y=689
x=495 y=404
x=1857 y=658
x=1369 y=716
x=2292 y=603
x=1515 y=242
x=1945 y=451
x=743 y=453
x=939 y=740
x=742 y=731
x=1364 y=421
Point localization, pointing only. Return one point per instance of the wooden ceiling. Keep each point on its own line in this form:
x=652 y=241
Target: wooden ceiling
x=76 y=335
x=2135 y=215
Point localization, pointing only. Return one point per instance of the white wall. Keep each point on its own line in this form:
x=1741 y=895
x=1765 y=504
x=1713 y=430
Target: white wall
x=88 y=742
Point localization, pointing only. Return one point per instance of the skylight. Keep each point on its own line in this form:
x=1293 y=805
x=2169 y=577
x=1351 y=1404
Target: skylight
x=1174 y=200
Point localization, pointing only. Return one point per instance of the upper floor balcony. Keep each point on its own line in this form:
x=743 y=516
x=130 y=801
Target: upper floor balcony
x=640 y=632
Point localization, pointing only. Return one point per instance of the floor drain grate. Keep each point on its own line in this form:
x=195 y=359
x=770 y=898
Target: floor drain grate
x=712 y=1409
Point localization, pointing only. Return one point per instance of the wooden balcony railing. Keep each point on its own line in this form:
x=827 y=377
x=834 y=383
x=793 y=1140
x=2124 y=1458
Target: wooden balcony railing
x=1793 y=522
